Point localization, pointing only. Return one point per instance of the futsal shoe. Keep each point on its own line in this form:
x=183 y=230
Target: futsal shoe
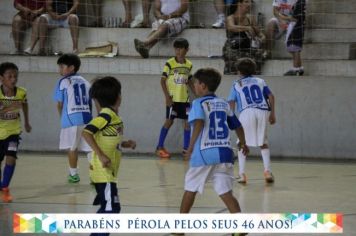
x=269 y=177
x=73 y=178
x=242 y=179
x=6 y=196
x=163 y=153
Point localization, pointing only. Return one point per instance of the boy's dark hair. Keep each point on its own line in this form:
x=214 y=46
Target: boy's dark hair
x=69 y=59
x=7 y=66
x=106 y=91
x=246 y=66
x=210 y=77
x=181 y=43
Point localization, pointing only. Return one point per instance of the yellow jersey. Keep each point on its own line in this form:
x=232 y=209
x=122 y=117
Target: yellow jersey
x=178 y=76
x=10 y=122
x=107 y=129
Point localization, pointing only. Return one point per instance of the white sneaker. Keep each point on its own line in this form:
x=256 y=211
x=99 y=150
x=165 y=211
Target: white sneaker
x=220 y=23
x=28 y=51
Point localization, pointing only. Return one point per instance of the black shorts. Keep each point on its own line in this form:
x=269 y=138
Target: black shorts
x=9 y=146
x=110 y=202
x=178 y=110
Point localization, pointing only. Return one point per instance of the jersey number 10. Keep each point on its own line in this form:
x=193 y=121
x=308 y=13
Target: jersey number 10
x=253 y=94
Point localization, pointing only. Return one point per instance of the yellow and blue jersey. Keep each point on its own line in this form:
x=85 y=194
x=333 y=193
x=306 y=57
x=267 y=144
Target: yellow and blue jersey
x=107 y=129
x=178 y=76
x=10 y=122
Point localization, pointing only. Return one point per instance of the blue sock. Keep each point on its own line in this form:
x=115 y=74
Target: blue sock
x=162 y=137
x=8 y=172
x=186 y=139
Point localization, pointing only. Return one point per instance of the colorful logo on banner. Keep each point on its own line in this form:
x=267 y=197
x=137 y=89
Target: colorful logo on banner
x=34 y=223
x=322 y=220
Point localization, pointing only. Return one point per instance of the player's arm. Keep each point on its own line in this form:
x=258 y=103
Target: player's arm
x=25 y=110
x=198 y=126
x=60 y=108
x=242 y=142
x=272 y=115
x=169 y=101
x=232 y=105
x=89 y=138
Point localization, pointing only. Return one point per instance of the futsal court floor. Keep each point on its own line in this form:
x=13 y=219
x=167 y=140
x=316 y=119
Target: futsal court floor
x=151 y=185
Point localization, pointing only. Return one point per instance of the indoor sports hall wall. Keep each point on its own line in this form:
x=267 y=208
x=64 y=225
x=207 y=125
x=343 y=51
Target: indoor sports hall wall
x=315 y=116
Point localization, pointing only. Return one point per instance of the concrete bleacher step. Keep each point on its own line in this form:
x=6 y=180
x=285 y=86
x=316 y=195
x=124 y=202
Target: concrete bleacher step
x=332 y=6
x=203 y=43
x=332 y=20
x=154 y=66
x=331 y=36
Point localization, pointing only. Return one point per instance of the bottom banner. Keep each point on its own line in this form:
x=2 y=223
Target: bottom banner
x=178 y=223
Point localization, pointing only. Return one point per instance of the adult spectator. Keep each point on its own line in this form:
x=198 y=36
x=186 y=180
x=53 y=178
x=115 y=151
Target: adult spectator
x=97 y=6
x=223 y=8
x=244 y=38
x=28 y=15
x=172 y=17
x=61 y=13
x=146 y=7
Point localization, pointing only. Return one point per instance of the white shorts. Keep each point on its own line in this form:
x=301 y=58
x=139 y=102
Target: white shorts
x=56 y=23
x=254 y=122
x=222 y=176
x=175 y=25
x=71 y=138
x=281 y=27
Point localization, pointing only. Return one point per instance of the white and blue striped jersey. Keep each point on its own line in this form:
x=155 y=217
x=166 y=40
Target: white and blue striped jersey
x=73 y=92
x=250 y=92
x=213 y=145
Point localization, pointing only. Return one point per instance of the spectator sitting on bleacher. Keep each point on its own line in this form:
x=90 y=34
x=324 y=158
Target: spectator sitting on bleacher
x=223 y=8
x=244 y=38
x=172 y=17
x=146 y=6
x=29 y=12
x=61 y=13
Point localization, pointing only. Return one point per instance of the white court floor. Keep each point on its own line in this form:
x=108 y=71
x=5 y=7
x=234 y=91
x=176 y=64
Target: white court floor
x=150 y=185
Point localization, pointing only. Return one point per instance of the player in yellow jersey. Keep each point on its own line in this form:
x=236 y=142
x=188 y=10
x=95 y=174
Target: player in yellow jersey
x=104 y=135
x=12 y=100
x=175 y=81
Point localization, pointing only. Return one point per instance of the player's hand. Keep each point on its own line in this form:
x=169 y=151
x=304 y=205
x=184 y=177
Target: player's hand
x=131 y=144
x=272 y=118
x=105 y=161
x=187 y=153
x=28 y=127
x=244 y=148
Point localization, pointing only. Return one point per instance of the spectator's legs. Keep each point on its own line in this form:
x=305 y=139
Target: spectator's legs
x=34 y=36
x=297 y=60
x=97 y=4
x=231 y=202
x=272 y=27
x=187 y=201
x=18 y=26
x=157 y=35
x=220 y=11
x=146 y=7
x=43 y=33
x=74 y=30
x=128 y=13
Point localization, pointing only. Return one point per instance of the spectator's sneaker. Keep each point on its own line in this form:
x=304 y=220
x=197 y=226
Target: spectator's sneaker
x=163 y=153
x=242 y=179
x=141 y=48
x=27 y=51
x=220 y=23
x=294 y=72
x=269 y=177
x=6 y=196
x=73 y=178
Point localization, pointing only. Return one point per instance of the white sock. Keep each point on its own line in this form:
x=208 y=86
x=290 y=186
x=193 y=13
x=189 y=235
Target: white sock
x=266 y=156
x=73 y=171
x=221 y=16
x=242 y=162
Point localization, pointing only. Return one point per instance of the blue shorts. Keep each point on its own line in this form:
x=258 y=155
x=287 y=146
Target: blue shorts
x=9 y=146
x=178 y=110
